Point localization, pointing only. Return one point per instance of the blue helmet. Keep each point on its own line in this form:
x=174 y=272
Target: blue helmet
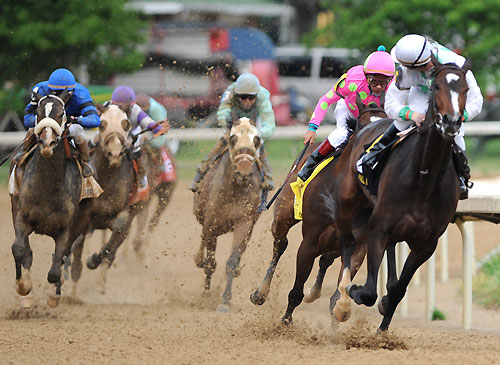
x=61 y=79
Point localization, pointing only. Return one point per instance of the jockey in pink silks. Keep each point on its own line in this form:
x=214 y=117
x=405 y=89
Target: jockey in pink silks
x=370 y=80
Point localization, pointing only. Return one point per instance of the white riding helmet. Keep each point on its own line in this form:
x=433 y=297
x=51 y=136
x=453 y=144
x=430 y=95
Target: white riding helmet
x=247 y=84
x=412 y=50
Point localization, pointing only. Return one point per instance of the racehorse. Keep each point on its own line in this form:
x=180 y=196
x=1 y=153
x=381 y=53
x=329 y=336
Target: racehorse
x=160 y=169
x=115 y=171
x=49 y=195
x=417 y=195
x=318 y=229
x=228 y=201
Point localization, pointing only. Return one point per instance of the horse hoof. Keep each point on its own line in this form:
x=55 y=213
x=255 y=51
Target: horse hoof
x=313 y=295
x=53 y=300
x=93 y=261
x=256 y=299
x=382 y=304
x=23 y=288
x=26 y=302
x=341 y=312
x=286 y=321
x=223 y=308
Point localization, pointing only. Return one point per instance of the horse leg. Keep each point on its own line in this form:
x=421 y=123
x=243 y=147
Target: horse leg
x=397 y=291
x=282 y=223
x=305 y=260
x=367 y=294
x=141 y=235
x=164 y=195
x=209 y=264
x=23 y=257
x=357 y=259
x=76 y=265
x=325 y=261
x=341 y=309
x=119 y=228
x=54 y=275
x=241 y=236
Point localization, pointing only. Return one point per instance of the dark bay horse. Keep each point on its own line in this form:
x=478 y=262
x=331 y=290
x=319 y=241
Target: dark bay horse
x=417 y=195
x=284 y=220
x=111 y=210
x=228 y=201
x=49 y=195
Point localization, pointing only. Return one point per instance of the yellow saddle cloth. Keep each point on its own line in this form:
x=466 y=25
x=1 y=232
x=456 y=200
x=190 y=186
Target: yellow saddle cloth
x=299 y=187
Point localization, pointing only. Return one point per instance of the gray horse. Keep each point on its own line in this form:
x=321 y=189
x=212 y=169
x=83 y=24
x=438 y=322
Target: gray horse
x=228 y=201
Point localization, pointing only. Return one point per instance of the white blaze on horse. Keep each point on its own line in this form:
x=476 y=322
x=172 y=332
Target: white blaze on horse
x=228 y=202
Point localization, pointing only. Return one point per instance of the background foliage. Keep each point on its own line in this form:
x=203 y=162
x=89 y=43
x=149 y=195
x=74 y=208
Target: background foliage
x=471 y=27
x=40 y=36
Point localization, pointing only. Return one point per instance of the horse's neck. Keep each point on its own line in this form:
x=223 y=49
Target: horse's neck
x=431 y=159
x=51 y=169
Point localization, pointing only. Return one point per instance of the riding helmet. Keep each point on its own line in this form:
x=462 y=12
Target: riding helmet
x=247 y=84
x=123 y=94
x=412 y=50
x=379 y=62
x=61 y=79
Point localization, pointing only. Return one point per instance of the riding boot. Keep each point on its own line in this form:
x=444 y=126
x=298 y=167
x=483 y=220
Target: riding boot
x=87 y=166
x=207 y=162
x=318 y=155
x=28 y=142
x=267 y=179
x=368 y=159
x=463 y=170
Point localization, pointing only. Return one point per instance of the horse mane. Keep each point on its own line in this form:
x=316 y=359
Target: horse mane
x=352 y=123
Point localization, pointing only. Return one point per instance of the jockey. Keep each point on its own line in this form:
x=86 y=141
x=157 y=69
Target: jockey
x=124 y=97
x=370 y=80
x=80 y=110
x=243 y=98
x=414 y=77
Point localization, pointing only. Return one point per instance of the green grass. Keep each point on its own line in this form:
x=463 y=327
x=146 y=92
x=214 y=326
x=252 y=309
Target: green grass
x=437 y=315
x=486 y=284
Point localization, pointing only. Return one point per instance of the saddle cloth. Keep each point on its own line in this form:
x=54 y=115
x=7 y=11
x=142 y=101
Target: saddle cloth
x=299 y=187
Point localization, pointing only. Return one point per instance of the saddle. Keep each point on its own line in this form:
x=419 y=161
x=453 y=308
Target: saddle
x=299 y=186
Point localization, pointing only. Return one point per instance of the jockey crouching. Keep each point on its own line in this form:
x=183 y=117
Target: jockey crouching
x=243 y=98
x=80 y=111
x=407 y=99
x=370 y=80
x=124 y=97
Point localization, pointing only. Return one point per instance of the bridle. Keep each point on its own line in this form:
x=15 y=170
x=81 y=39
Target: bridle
x=50 y=122
x=439 y=117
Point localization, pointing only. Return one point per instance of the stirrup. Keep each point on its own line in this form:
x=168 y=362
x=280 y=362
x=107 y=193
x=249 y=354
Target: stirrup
x=87 y=169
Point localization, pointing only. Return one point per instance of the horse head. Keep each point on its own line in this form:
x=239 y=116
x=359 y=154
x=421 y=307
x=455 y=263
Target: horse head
x=244 y=144
x=50 y=121
x=113 y=133
x=449 y=92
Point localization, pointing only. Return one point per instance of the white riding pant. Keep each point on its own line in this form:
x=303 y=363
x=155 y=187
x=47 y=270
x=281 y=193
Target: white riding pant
x=76 y=131
x=340 y=134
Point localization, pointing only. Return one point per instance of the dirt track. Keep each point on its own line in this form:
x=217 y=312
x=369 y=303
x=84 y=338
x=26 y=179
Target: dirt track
x=154 y=312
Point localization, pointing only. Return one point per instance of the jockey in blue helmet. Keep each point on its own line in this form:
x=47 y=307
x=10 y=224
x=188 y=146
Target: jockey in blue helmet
x=79 y=107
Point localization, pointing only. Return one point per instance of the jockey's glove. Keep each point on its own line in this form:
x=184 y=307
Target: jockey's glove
x=74 y=120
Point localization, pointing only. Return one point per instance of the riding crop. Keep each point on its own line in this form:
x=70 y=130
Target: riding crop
x=290 y=173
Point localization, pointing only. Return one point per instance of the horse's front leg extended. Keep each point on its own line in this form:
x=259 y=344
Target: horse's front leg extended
x=397 y=291
x=259 y=296
x=120 y=228
x=241 y=236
